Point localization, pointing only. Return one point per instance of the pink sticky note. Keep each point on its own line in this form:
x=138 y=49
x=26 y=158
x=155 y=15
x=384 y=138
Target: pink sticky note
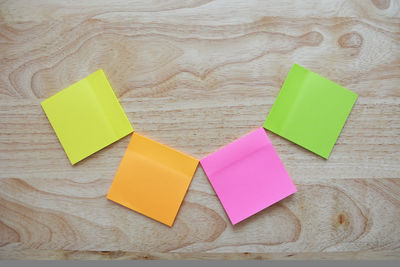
x=247 y=175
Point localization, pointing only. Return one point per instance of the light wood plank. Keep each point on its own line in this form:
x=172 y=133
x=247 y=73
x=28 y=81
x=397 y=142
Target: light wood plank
x=196 y=75
x=330 y=215
x=35 y=254
x=194 y=11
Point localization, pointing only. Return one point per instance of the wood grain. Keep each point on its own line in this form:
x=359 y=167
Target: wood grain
x=197 y=75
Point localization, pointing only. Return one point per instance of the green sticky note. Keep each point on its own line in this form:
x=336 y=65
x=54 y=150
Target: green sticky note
x=310 y=110
x=86 y=116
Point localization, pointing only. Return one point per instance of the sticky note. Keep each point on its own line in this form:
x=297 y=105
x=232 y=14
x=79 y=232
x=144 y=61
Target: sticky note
x=152 y=179
x=310 y=111
x=86 y=116
x=247 y=175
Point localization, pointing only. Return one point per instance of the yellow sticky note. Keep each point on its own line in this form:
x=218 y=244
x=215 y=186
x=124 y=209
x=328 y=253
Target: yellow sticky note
x=152 y=179
x=86 y=116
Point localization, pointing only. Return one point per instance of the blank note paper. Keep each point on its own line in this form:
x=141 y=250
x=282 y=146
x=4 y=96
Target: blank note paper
x=86 y=116
x=247 y=175
x=152 y=179
x=310 y=111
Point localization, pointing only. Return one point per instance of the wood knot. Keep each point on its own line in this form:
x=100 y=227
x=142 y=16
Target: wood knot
x=312 y=38
x=381 y=4
x=341 y=219
x=350 y=40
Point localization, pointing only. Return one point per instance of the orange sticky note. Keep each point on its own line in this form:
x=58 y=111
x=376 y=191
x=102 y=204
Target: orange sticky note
x=152 y=179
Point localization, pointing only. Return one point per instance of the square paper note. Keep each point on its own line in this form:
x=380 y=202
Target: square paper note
x=86 y=116
x=247 y=175
x=152 y=179
x=310 y=111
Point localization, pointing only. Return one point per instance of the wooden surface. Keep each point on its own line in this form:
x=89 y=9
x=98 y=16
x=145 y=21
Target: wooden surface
x=197 y=75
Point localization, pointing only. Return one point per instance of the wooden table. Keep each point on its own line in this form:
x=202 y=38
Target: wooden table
x=196 y=75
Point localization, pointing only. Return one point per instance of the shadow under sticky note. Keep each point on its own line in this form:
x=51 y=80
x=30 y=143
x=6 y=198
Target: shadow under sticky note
x=247 y=175
x=86 y=116
x=152 y=179
x=310 y=111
